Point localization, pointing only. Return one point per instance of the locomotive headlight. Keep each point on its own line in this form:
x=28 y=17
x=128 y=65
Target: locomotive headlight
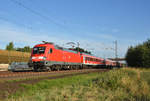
x=42 y=57
x=33 y=58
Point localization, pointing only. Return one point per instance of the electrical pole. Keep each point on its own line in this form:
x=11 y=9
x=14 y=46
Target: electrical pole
x=78 y=46
x=116 y=50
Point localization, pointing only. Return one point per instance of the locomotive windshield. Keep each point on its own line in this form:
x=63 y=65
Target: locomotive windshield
x=38 y=50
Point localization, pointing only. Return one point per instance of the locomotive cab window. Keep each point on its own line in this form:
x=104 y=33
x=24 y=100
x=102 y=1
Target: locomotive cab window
x=38 y=50
x=50 y=51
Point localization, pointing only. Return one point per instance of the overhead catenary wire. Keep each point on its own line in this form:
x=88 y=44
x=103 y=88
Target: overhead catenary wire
x=38 y=14
x=16 y=23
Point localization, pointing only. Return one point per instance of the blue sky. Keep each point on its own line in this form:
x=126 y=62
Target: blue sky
x=96 y=24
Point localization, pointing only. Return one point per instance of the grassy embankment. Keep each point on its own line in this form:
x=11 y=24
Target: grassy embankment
x=116 y=85
x=13 y=56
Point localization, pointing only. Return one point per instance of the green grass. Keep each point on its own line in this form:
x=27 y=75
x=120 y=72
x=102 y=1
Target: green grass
x=146 y=76
x=49 y=84
x=116 y=85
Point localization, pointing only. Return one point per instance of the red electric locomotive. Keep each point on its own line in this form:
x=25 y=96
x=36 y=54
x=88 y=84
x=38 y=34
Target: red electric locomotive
x=49 y=56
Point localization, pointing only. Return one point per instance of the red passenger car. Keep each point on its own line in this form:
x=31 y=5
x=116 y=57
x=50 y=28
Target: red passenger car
x=110 y=63
x=91 y=61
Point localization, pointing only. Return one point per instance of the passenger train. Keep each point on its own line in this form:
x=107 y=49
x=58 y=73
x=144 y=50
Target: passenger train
x=48 y=56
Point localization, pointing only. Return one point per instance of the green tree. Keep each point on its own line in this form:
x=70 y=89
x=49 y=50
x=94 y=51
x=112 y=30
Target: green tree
x=10 y=46
x=20 y=49
x=27 y=49
x=146 y=55
x=139 y=56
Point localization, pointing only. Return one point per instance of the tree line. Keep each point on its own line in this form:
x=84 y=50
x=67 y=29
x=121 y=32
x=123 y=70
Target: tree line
x=139 y=55
x=11 y=47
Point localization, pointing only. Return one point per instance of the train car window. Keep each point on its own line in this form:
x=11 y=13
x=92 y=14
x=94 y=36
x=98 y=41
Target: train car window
x=90 y=59
x=86 y=58
x=51 y=50
x=97 y=60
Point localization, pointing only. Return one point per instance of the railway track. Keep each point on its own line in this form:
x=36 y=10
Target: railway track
x=8 y=75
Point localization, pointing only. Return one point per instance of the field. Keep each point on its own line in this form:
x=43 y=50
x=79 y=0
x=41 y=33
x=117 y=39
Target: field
x=116 y=85
x=13 y=56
